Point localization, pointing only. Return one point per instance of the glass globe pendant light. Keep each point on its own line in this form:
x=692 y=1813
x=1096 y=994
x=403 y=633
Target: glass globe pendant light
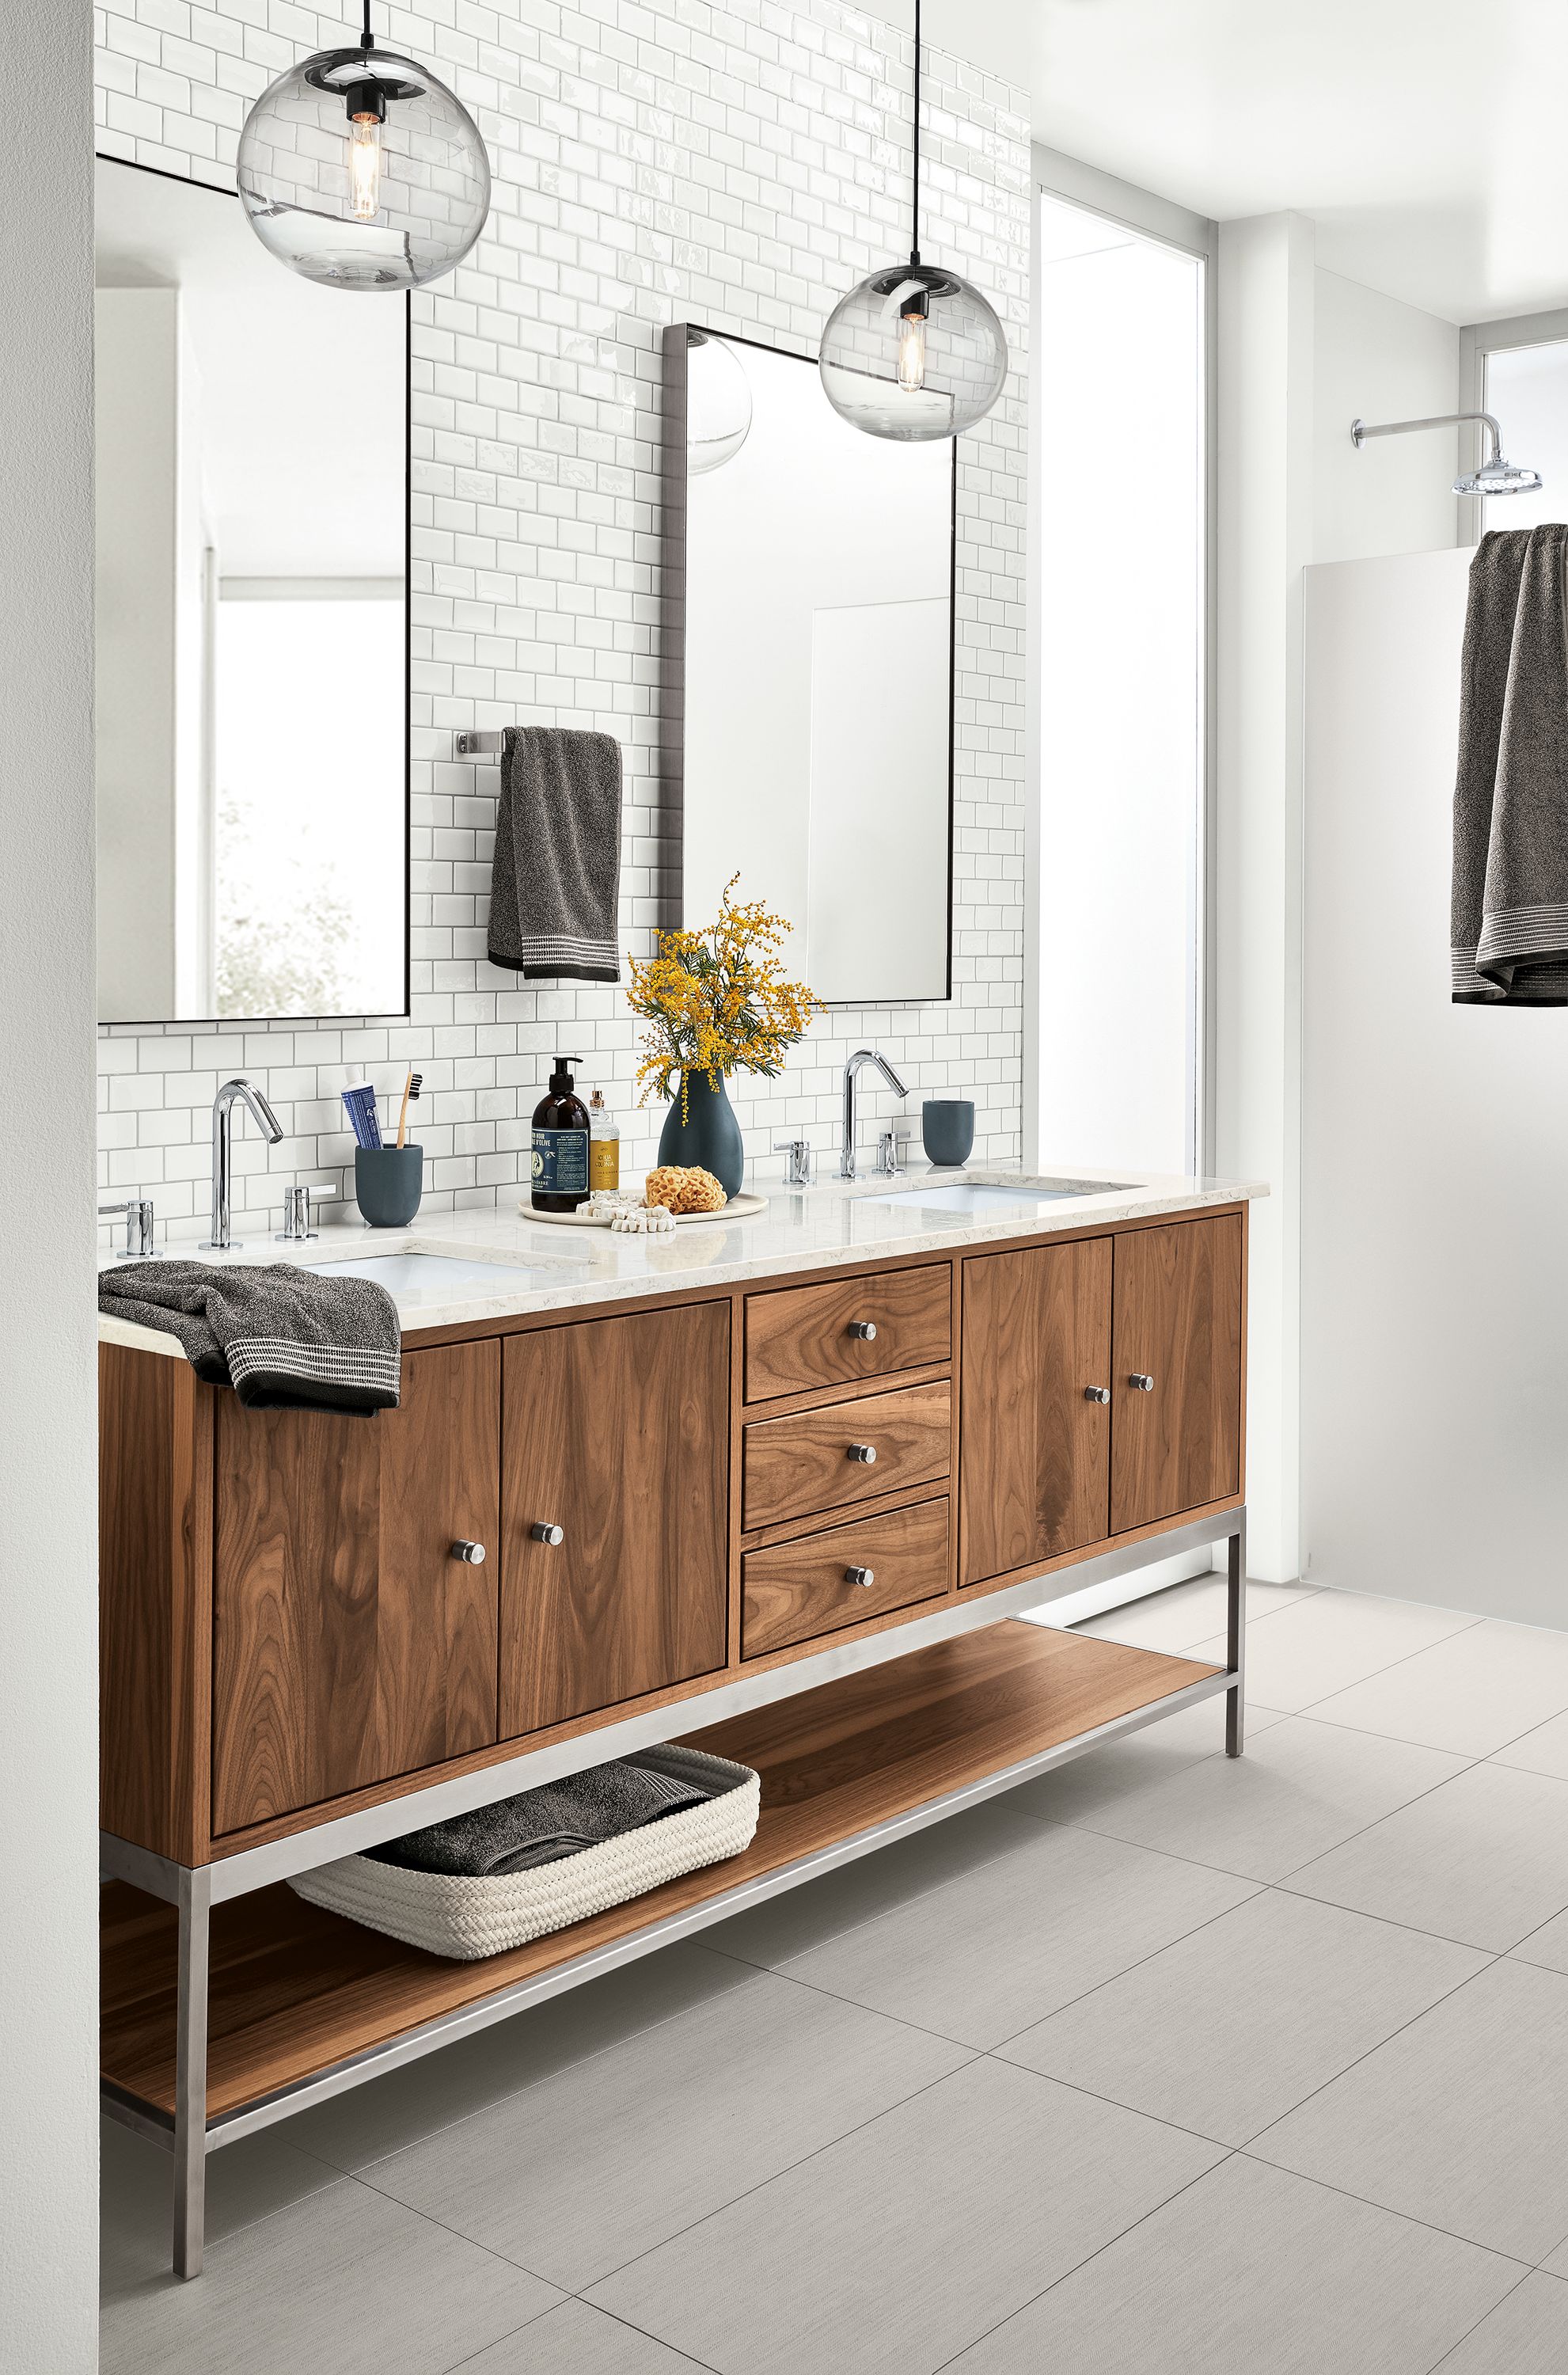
x=914 y=353
x=360 y=170
x=718 y=403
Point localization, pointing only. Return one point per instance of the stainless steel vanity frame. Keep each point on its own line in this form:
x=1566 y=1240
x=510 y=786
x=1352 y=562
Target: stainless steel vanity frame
x=191 y=2135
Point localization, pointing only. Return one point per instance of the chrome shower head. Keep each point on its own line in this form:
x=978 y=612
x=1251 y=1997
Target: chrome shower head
x=1499 y=477
x=1496 y=475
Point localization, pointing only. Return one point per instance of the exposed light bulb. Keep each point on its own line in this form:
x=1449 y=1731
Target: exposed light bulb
x=912 y=352
x=364 y=167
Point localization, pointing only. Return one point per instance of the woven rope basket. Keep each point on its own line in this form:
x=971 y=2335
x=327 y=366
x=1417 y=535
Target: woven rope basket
x=466 y=1920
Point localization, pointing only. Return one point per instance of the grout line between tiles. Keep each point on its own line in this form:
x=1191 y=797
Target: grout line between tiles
x=746 y=2191
x=1438 y=2364
x=496 y=2340
x=1226 y=2153
x=507 y=2094
x=1370 y=2201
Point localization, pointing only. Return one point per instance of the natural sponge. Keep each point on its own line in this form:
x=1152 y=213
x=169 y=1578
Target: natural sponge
x=682 y=1190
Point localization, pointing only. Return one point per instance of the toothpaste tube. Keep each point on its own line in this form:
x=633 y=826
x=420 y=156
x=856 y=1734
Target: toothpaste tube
x=360 y=1100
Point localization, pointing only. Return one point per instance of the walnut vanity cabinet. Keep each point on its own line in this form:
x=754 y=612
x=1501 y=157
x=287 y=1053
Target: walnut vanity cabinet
x=617 y=1442
x=801 y=1511
x=1176 y=1362
x=1102 y=1389
x=350 y=1643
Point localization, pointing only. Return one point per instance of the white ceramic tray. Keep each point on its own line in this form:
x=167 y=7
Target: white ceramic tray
x=739 y=1208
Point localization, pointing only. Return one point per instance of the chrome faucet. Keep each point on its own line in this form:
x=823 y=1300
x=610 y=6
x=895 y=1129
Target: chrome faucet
x=852 y=1072
x=223 y=1152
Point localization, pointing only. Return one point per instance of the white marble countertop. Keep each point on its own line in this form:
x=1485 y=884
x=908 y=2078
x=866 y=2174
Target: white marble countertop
x=825 y=1227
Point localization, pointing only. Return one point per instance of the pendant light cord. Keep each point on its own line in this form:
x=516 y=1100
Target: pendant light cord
x=914 y=200
x=367 y=40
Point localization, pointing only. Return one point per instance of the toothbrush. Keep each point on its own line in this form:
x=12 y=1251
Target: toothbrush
x=410 y=1089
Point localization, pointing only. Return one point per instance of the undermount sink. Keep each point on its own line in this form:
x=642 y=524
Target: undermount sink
x=974 y=1197
x=431 y=1278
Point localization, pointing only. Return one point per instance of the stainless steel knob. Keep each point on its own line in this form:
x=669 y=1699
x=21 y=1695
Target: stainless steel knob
x=864 y=1453
x=471 y=1553
x=865 y=1329
x=1097 y=1393
x=864 y=1576
x=1140 y=1383
x=553 y=1535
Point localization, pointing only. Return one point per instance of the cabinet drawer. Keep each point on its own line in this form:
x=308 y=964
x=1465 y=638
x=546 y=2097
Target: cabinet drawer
x=799 y=1336
x=795 y=1590
x=814 y=1459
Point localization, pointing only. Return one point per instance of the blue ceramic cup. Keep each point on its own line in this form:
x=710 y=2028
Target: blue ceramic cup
x=388 y=1182
x=946 y=1131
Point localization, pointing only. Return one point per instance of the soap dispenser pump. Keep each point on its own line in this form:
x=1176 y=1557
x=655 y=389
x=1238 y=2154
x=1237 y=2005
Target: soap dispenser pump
x=560 y=1144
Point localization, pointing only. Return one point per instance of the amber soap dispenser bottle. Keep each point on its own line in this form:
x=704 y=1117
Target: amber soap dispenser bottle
x=560 y=1144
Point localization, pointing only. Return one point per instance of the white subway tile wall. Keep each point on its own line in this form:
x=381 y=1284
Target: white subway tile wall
x=653 y=160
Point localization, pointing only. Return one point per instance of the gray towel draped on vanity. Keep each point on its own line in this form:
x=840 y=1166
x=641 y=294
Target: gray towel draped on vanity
x=1510 y=915
x=284 y=1338
x=555 y=881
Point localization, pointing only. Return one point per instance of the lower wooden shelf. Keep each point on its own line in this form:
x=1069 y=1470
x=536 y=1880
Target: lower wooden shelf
x=295 y=1990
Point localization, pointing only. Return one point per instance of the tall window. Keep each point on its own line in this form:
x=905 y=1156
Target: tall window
x=1527 y=387
x=1120 y=549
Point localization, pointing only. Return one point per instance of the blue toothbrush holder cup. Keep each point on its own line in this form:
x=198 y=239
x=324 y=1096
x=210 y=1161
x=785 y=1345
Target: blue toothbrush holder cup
x=388 y=1184
x=946 y=1131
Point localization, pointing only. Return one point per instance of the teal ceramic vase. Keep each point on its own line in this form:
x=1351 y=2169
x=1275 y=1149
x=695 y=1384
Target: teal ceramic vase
x=709 y=1138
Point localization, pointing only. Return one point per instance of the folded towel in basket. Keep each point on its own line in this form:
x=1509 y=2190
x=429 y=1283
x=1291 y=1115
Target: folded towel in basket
x=284 y=1338
x=560 y=1819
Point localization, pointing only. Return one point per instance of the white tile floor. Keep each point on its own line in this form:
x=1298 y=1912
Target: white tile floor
x=1161 y=2063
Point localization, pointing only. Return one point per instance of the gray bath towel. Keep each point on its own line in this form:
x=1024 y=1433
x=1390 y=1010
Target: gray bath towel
x=285 y=1338
x=542 y=1826
x=1510 y=915
x=555 y=881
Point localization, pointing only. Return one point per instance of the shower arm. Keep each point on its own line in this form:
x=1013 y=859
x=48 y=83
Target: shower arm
x=1360 y=430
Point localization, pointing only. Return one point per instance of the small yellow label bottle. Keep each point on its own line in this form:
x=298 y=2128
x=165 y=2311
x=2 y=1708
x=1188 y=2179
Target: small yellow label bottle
x=603 y=1144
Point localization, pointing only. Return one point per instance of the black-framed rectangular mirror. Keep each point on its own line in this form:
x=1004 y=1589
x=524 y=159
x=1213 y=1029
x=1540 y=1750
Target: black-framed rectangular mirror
x=252 y=633
x=809 y=596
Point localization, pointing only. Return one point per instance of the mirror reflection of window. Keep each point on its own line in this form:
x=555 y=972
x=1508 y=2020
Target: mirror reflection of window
x=251 y=559
x=816 y=752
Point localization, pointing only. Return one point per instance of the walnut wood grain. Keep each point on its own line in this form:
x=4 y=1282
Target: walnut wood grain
x=154 y=1609
x=1036 y=1454
x=295 y=1989
x=801 y=1464
x=1178 y=1319
x=800 y=1337
x=798 y=1590
x=351 y=1645
x=617 y=1431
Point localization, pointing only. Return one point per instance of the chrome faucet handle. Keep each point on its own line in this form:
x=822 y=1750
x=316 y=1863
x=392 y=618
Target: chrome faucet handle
x=890 y=1152
x=297 y=1213
x=139 y=1227
x=802 y=1160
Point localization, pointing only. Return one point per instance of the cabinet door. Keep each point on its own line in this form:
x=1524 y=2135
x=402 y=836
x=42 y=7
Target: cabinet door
x=1178 y=1322
x=350 y=1644
x=616 y=1430
x=1035 y=1451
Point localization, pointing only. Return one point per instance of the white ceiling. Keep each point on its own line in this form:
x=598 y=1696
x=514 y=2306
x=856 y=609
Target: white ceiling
x=1424 y=137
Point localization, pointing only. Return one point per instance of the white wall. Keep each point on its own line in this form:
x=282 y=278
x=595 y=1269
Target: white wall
x=743 y=171
x=1302 y=351
x=1435 y=1259
x=1379 y=359
x=48 y=1679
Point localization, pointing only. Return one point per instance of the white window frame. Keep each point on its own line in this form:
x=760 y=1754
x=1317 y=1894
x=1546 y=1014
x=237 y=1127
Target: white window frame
x=1161 y=219
x=1477 y=341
